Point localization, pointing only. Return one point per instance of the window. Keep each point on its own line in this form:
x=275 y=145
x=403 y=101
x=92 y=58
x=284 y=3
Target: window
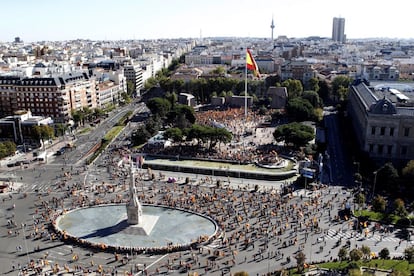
x=371 y=147
x=391 y=131
x=382 y=131
x=380 y=149
x=373 y=130
x=404 y=150
x=406 y=131
x=389 y=149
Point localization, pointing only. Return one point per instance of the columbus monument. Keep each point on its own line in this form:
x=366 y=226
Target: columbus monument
x=140 y=224
x=134 y=208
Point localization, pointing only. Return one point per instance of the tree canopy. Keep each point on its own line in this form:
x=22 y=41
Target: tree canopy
x=299 y=109
x=294 y=133
x=7 y=148
x=159 y=106
x=294 y=88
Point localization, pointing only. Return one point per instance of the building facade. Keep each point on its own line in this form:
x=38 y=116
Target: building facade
x=384 y=128
x=133 y=74
x=19 y=127
x=338 y=30
x=298 y=70
x=54 y=97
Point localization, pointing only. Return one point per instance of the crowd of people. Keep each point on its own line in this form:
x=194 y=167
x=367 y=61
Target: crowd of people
x=263 y=223
x=248 y=138
x=245 y=220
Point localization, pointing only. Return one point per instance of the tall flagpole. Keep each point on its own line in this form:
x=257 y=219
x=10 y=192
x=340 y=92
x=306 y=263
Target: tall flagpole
x=245 y=89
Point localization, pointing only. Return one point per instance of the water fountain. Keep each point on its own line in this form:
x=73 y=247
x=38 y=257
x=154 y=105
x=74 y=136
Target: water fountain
x=135 y=226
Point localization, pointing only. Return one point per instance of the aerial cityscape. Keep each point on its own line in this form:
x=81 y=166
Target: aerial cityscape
x=184 y=148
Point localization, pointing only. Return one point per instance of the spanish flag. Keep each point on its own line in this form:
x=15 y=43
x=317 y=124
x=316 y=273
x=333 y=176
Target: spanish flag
x=251 y=64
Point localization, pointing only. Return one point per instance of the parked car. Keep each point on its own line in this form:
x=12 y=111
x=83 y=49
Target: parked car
x=60 y=151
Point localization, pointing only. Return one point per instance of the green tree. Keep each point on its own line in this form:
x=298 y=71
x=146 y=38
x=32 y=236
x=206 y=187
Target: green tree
x=175 y=134
x=409 y=254
x=219 y=70
x=159 y=106
x=172 y=97
x=7 y=148
x=399 y=208
x=60 y=129
x=355 y=255
x=179 y=113
x=300 y=261
x=43 y=132
x=324 y=90
x=299 y=109
x=387 y=177
x=78 y=117
x=294 y=88
x=366 y=251
x=408 y=170
x=218 y=135
x=126 y=98
x=150 y=82
x=153 y=125
x=313 y=98
x=313 y=84
x=379 y=204
x=360 y=199
x=140 y=136
x=343 y=253
x=294 y=133
x=340 y=86
x=130 y=87
x=384 y=254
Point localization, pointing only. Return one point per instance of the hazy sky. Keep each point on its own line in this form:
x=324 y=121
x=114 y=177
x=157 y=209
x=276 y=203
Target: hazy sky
x=35 y=20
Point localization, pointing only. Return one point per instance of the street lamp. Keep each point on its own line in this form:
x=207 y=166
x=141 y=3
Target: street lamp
x=375 y=180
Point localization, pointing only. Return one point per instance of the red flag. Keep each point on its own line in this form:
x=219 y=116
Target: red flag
x=251 y=64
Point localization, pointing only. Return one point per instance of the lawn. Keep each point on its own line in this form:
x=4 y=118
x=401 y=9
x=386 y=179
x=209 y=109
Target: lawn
x=85 y=130
x=376 y=216
x=400 y=265
x=113 y=133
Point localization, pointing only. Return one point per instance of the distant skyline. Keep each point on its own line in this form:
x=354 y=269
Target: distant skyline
x=152 y=19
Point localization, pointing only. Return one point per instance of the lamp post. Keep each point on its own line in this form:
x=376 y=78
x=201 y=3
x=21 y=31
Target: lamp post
x=375 y=182
x=375 y=179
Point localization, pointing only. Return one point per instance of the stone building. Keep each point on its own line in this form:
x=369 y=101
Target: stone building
x=383 y=125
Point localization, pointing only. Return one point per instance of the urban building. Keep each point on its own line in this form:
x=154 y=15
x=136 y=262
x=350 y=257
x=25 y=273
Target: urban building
x=383 y=122
x=133 y=74
x=19 y=127
x=338 y=30
x=279 y=96
x=298 y=70
x=381 y=72
x=54 y=97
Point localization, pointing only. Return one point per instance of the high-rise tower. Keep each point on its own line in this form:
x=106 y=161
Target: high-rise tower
x=338 y=30
x=272 y=26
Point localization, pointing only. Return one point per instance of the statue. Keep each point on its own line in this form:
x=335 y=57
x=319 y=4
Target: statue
x=134 y=208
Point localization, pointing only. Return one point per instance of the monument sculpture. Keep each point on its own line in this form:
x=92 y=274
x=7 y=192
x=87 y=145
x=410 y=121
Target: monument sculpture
x=134 y=208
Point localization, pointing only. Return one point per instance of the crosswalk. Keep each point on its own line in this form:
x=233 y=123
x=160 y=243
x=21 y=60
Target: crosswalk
x=351 y=234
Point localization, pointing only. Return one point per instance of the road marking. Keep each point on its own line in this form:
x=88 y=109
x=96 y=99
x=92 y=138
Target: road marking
x=153 y=263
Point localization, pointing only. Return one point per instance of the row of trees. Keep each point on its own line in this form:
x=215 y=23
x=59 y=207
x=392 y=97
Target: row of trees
x=204 y=135
x=86 y=114
x=180 y=123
